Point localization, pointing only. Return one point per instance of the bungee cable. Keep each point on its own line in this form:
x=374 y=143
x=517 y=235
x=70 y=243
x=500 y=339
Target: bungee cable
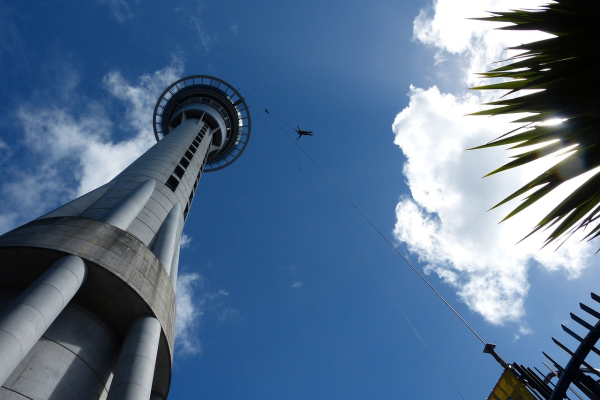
x=489 y=348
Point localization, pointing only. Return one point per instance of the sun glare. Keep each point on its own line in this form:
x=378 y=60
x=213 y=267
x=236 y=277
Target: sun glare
x=553 y=121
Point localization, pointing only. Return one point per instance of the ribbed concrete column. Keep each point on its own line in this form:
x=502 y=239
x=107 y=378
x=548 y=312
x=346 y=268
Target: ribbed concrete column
x=76 y=207
x=128 y=209
x=135 y=368
x=164 y=246
x=26 y=319
x=175 y=265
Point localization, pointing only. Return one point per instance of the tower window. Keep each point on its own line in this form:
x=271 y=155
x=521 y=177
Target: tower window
x=179 y=172
x=202 y=132
x=185 y=162
x=172 y=183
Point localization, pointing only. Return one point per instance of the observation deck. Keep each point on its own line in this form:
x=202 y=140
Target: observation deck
x=214 y=101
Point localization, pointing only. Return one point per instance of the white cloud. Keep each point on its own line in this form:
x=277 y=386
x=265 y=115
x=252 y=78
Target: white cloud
x=445 y=221
x=447 y=27
x=119 y=8
x=5 y=151
x=140 y=99
x=12 y=48
x=189 y=313
x=297 y=285
x=75 y=151
x=523 y=330
x=8 y=220
x=234 y=28
x=198 y=25
x=229 y=314
x=193 y=301
x=185 y=241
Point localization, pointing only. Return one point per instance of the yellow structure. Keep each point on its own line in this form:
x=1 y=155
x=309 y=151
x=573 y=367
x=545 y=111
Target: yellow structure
x=509 y=387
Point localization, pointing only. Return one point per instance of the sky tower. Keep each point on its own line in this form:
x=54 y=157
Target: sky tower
x=87 y=291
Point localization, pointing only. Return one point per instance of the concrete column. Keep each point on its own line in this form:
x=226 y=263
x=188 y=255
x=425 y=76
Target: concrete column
x=175 y=266
x=26 y=319
x=76 y=207
x=128 y=209
x=166 y=241
x=135 y=369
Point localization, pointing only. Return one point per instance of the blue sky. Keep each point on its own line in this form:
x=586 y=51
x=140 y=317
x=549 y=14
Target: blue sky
x=274 y=300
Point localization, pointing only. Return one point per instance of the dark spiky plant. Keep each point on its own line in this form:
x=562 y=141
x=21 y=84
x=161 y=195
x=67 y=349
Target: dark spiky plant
x=566 y=68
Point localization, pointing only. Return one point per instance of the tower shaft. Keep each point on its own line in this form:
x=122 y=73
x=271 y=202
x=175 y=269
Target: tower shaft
x=108 y=330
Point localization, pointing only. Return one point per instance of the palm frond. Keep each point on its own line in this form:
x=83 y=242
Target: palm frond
x=565 y=71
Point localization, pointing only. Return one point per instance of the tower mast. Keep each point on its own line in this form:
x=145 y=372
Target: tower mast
x=87 y=291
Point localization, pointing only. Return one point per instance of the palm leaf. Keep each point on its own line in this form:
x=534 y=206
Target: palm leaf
x=566 y=68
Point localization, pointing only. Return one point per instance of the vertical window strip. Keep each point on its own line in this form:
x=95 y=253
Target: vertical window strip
x=173 y=181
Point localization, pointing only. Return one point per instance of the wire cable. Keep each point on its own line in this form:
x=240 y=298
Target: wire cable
x=376 y=228
x=372 y=271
